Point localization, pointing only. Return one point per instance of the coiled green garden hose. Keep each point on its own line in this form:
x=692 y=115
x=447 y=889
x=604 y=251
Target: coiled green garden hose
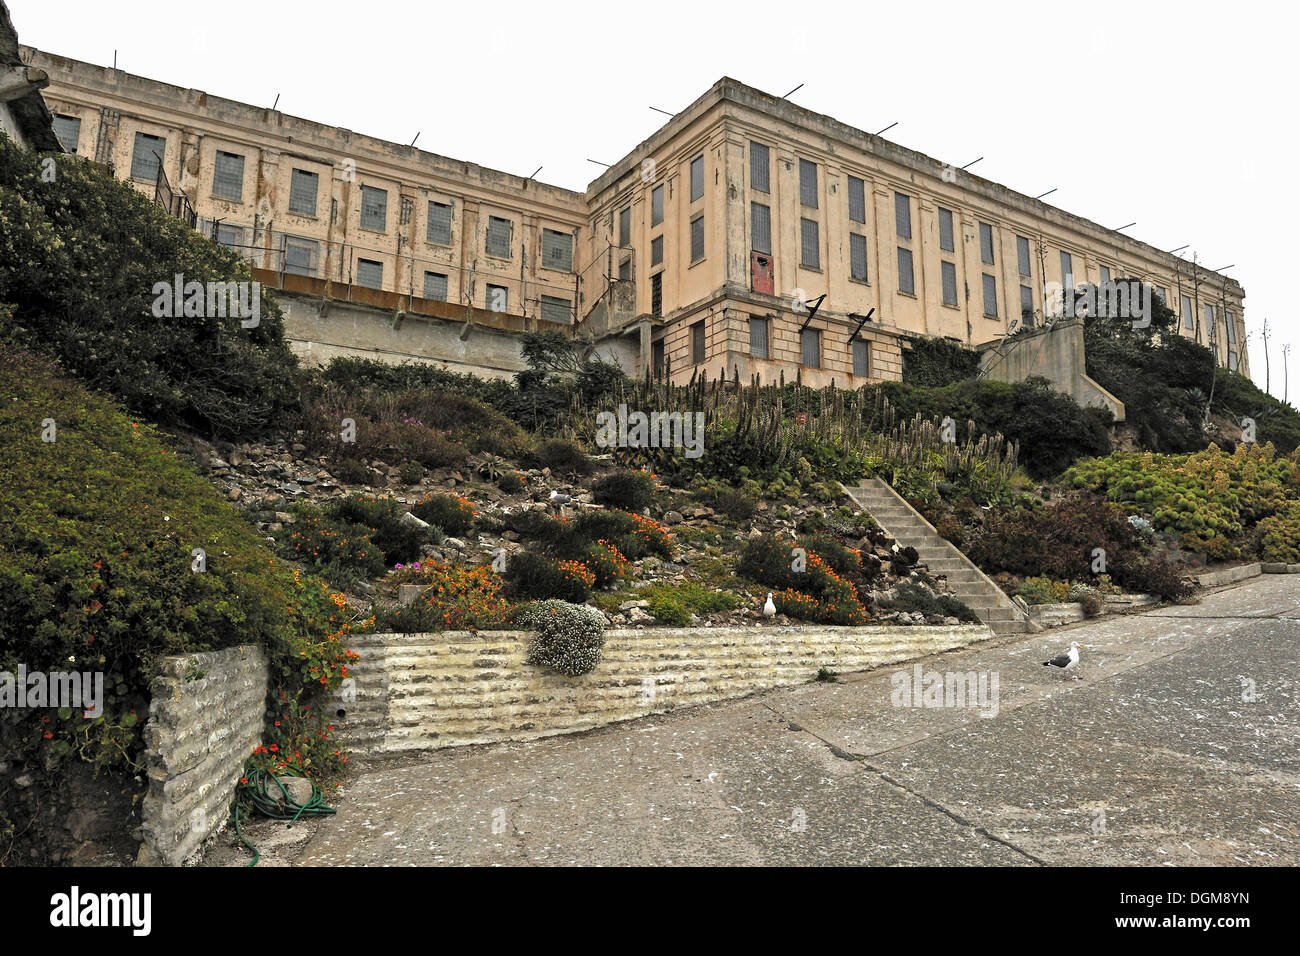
x=283 y=807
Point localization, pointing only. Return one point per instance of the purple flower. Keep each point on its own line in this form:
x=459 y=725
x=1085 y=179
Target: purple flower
x=397 y=567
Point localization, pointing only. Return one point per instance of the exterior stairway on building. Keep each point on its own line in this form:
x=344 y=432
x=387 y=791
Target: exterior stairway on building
x=970 y=585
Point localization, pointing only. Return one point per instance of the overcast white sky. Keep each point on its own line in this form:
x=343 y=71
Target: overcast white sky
x=1179 y=116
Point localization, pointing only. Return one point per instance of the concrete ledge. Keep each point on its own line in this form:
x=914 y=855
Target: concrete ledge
x=1054 y=615
x=1213 y=579
x=1277 y=567
x=426 y=691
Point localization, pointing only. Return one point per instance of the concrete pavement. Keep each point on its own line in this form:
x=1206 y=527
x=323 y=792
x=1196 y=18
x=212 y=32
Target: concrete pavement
x=1181 y=746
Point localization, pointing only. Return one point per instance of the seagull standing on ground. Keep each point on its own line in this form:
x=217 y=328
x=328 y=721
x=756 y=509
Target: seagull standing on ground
x=769 y=609
x=1064 y=662
x=558 y=500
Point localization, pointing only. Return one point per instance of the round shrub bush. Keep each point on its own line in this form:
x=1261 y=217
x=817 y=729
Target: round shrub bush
x=568 y=637
x=398 y=541
x=537 y=577
x=606 y=563
x=629 y=490
x=451 y=513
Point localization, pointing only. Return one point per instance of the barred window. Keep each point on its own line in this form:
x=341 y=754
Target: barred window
x=300 y=256
x=557 y=250
x=945 y=230
x=228 y=176
x=760 y=217
x=435 y=286
x=906 y=281
x=808 y=183
x=625 y=227
x=862 y=358
x=438 y=228
x=990 y=297
x=556 y=309
x=656 y=206
x=948 y=271
x=1027 y=305
x=858 y=257
x=697 y=178
x=68 y=130
x=699 y=350
x=1067 y=270
x=370 y=273
x=810 y=347
x=374 y=208
x=902 y=216
x=146 y=156
x=1022 y=255
x=758 y=337
x=857 y=200
x=986 y=243
x=657 y=294
x=656 y=252
x=759 y=164
x=809 y=244
x=1188 y=318
x=303 y=186
x=697 y=239
x=498 y=237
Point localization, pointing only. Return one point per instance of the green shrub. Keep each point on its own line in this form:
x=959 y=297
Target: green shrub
x=1280 y=536
x=399 y=542
x=537 y=577
x=511 y=483
x=606 y=563
x=568 y=637
x=629 y=490
x=936 y=362
x=768 y=560
x=913 y=597
x=341 y=551
x=635 y=536
x=79 y=260
x=673 y=604
x=411 y=472
x=841 y=560
x=352 y=472
x=736 y=505
x=1043 y=590
x=563 y=457
x=452 y=513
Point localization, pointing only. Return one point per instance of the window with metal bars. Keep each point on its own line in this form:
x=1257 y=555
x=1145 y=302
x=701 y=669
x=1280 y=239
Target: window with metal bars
x=699 y=348
x=300 y=256
x=557 y=250
x=145 y=156
x=902 y=216
x=862 y=358
x=810 y=347
x=656 y=251
x=906 y=280
x=657 y=294
x=556 y=309
x=990 y=297
x=374 y=208
x=857 y=257
x=857 y=200
x=807 y=183
x=760 y=228
x=68 y=130
x=986 y=243
x=303 y=187
x=1067 y=270
x=759 y=164
x=697 y=178
x=370 y=273
x=435 y=286
x=1189 y=320
x=1026 y=305
x=438 y=228
x=625 y=227
x=809 y=244
x=625 y=267
x=231 y=237
x=697 y=239
x=948 y=272
x=498 y=237
x=228 y=176
x=1105 y=273
x=758 y=336
x=945 y=230
x=1022 y=255
x=656 y=205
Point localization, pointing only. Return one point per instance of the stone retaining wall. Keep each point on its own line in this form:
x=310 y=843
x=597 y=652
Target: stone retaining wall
x=420 y=691
x=205 y=719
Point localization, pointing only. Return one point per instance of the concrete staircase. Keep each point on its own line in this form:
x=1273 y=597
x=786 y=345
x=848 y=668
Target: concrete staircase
x=901 y=521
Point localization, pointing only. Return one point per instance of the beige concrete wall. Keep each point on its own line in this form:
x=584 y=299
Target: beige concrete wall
x=423 y=691
x=1057 y=354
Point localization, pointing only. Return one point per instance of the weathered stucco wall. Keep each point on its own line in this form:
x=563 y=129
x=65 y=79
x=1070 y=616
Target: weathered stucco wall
x=205 y=719
x=423 y=691
x=1055 y=353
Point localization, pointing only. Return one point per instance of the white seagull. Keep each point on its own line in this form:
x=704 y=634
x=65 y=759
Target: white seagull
x=559 y=499
x=1067 y=660
x=769 y=609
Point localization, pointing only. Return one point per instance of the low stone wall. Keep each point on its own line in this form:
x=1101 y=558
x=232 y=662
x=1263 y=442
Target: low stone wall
x=423 y=691
x=1277 y=567
x=1214 y=579
x=205 y=718
x=1055 y=615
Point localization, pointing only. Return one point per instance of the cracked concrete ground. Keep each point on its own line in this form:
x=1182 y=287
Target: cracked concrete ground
x=1181 y=746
